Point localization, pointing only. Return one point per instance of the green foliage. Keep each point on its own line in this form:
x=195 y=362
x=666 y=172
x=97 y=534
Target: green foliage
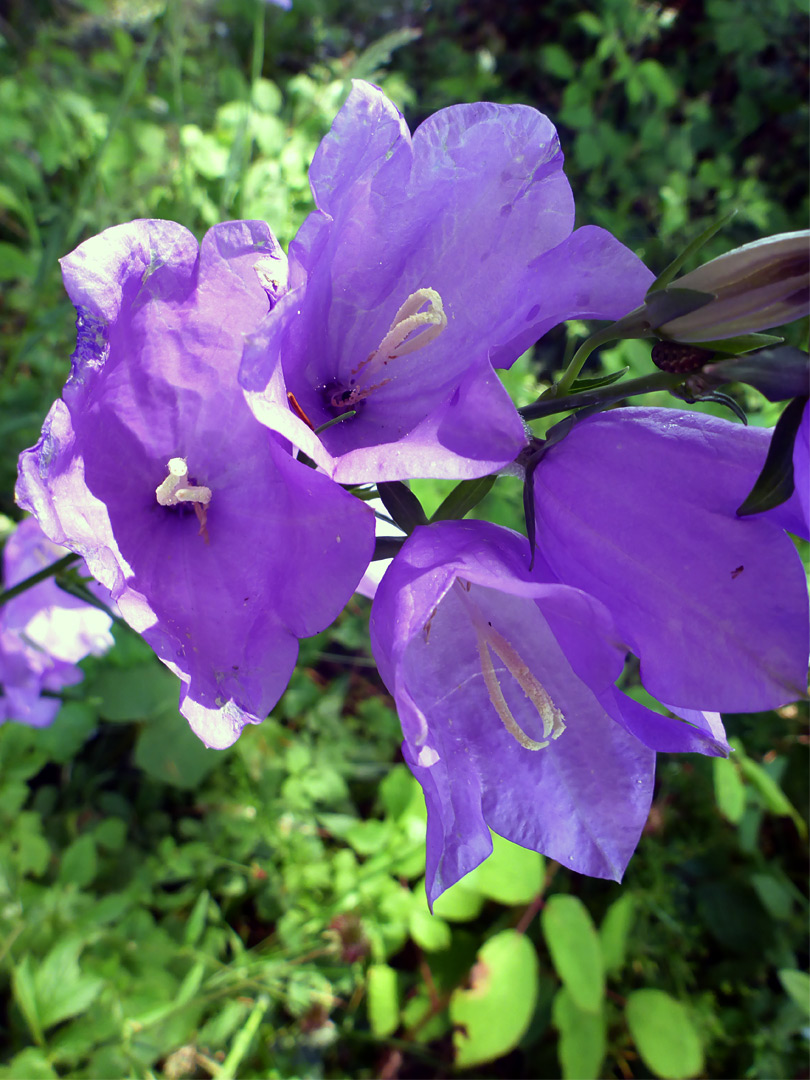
x=167 y=910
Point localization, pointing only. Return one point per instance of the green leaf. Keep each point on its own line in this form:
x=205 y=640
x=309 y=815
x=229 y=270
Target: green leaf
x=402 y=505
x=797 y=987
x=29 y=1064
x=136 y=693
x=511 y=875
x=775 y=484
x=79 y=862
x=62 y=990
x=463 y=498
x=429 y=931
x=700 y=241
x=729 y=790
x=582 y=1044
x=578 y=386
x=772 y=796
x=664 y=1035
x=383 y=1000
x=24 y=988
x=168 y=750
x=575 y=951
x=615 y=929
x=492 y=1016
x=458 y=903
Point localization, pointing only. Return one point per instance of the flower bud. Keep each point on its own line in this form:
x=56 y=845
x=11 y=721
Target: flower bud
x=759 y=285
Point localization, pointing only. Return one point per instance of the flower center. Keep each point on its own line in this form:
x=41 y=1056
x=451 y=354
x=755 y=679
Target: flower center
x=411 y=329
x=491 y=642
x=176 y=490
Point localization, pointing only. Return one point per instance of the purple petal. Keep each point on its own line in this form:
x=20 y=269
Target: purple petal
x=222 y=598
x=637 y=507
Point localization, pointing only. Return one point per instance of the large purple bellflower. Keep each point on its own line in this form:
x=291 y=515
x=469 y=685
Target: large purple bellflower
x=218 y=546
x=504 y=683
x=429 y=259
x=638 y=507
x=44 y=632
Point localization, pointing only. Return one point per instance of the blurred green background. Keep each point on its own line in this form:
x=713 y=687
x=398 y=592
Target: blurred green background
x=169 y=911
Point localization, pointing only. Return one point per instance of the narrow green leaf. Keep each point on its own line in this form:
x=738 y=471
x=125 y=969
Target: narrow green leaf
x=382 y=1000
x=775 y=484
x=464 y=497
x=729 y=790
x=579 y=386
x=691 y=249
x=771 y=795
x=402 y=505
x=664 y=1035
x=575 y=950
x=492 y=1016
x=582 y=1044
x=742 y=344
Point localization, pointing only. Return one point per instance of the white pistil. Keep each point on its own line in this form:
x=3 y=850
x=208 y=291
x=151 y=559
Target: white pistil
x=490 y=641
x=175 y=489
x=410 y=330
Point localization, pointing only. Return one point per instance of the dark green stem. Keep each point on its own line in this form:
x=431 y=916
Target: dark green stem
x=40 y=575
x=606 y=395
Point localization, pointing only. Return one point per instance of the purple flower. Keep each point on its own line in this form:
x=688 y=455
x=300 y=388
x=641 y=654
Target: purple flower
x=44 y=632
x=637 y=507
x=504 y=683
x=218 y=546
x=429 y=259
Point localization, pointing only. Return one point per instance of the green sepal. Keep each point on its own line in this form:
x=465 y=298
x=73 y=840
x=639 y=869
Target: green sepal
x=402 y=505
x=386 y=547
x=668 y=275
x=738 y=346
x=464 y=497
x=580 y=385
x=778 y=374
x=775 y=483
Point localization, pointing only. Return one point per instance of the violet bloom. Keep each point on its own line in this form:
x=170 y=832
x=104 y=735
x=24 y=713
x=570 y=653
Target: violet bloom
x=44 y=632
x=504 y=683
x=429 y=259
x=218 y=546
x=638 y=507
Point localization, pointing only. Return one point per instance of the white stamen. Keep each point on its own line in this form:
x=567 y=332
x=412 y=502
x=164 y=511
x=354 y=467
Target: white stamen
x=425 y=326
x=175 y=489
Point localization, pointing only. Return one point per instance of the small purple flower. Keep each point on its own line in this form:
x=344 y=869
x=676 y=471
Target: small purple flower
x=429 y=259
x=504 y=683
x=218 y=546
x=638 y=507
x=44 y=632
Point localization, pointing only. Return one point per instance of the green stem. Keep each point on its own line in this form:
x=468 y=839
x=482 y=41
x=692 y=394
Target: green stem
x=40 y=575
x=606 y=395
x=563 y=385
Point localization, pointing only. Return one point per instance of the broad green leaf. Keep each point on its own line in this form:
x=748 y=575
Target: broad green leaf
x=62 y=990
x=79 y=862
x=29 y=1064
x=511 y=875
x=458 y=903
x=383 y=1000
x=169 y=750
x=429 y=931
x=581 y=1047
x=575 y=951
x=136 y=693
x=615 y=930
x=493 y=1015
x=729 y=790
x=664 y=1035
x=797 y=986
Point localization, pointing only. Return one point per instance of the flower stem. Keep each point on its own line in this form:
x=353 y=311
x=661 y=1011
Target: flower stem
x=601 y=337
x=40 y=575
x=606 y=395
